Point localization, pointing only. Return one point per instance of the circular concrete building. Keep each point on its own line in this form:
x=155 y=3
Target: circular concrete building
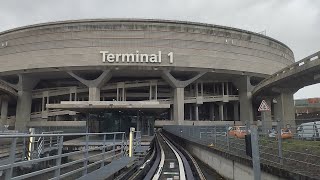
x=110 y=74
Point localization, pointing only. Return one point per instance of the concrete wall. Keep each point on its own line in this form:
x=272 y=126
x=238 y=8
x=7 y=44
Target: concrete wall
x=226 y=167
x=78 y=43
x=161 y=123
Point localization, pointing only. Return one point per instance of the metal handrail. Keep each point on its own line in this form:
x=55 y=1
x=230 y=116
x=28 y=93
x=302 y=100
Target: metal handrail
x=63 y=134
x=118 y=148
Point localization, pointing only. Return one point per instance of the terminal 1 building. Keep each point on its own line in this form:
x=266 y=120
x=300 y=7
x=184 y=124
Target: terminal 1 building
x=111 y=74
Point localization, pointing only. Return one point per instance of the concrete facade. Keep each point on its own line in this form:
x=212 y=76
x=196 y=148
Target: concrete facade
x=207 y=68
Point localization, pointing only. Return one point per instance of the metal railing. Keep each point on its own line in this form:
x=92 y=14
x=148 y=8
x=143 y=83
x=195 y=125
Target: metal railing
x=61 y=155
x=298 y=151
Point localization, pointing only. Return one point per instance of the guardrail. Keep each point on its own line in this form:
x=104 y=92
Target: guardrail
x=204 y=98
x=71 y=155
x=297 y=151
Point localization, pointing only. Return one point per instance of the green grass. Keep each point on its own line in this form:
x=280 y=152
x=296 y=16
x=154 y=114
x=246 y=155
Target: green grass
x=308 y=147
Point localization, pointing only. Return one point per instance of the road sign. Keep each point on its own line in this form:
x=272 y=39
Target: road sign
x=263 y=106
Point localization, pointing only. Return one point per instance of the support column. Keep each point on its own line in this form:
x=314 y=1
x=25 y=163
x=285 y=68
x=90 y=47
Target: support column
x=222 y=88
x=211 y=111
x=202 y=89
x=225 y=116
x=227 y=83
x=196 y=110
x=23 y=109
x=94 y=94
x=138 y=122
x=45 y=100
x=221 y=116
x=236 y=111
x=190 y=111
x=178 y=105
x=171 y=112
x=245 y=98
x=284 y=109
x=4 y=111
x=178 y=95
x=94 y=85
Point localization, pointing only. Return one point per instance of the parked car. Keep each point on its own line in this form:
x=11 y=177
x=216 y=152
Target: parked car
x=285 y=133
x=238 y=131
x=309 y=130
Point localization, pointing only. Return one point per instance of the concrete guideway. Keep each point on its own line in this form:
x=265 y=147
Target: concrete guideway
x=172 y=162
x=7 y=89
x=293 y=77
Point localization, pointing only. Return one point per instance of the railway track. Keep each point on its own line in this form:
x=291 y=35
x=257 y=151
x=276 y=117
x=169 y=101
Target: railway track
x=168 y=161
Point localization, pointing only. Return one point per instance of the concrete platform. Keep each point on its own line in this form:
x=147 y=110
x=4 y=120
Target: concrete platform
x=84 y=106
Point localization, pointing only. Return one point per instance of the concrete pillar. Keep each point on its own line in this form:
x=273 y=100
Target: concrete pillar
x=178 y=105
x=227 y=83
x=236 y=111
x=197 y=90
x=246 y=113
x=245 y=98
x=156 y=91
x=138 y=122
x=225 y=116
x=201 y=88
x=222 y=88
x=178 y=101
x=94 y=85
x=4 y=111
x=221 y=111
x=94 y=94
x=211 y=111
x=196 y=112
x=190 y=111
x=171 y=112
x=23 y=109
x=24 y=86
x=284 y=109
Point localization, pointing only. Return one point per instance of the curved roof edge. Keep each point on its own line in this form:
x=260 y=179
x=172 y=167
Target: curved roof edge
x=141 y=20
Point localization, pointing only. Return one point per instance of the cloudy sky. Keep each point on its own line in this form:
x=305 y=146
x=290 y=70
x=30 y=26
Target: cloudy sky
x=294 y=22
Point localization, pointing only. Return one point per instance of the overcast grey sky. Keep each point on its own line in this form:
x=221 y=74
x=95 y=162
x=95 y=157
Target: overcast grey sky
x=294 y=22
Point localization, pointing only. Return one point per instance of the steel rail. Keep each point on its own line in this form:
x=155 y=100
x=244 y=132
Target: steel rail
x=156 y=162
x=186 y=155
x=160 y=167
x=182 y=173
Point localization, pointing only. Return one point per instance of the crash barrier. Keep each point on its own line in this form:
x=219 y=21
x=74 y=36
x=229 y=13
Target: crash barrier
x=286 y=151
x=55 y=155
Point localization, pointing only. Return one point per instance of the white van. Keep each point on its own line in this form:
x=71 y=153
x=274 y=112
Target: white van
x=309 y=130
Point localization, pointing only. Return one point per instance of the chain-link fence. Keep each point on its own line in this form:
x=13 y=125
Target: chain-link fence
x=296 y=148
